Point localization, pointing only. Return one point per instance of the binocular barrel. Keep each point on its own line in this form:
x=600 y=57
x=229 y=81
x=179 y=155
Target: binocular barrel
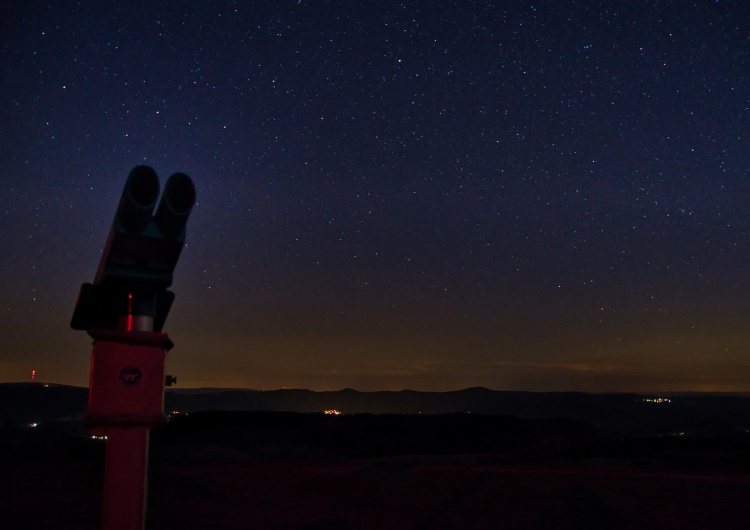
x=176 y=205
x=138 y=199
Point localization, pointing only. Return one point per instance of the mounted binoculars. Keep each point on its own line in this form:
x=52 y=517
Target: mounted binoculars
x=144 y=244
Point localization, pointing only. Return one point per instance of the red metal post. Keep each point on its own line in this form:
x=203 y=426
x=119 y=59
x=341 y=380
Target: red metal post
x=126 y=399
x=125 y=475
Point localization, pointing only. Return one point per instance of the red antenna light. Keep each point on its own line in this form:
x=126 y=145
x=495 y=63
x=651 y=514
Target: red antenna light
x=33 y=374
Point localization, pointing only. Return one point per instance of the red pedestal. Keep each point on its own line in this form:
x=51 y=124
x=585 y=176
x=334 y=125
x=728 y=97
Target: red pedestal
x=126 y=399
x=125 y=477
x=127 y=378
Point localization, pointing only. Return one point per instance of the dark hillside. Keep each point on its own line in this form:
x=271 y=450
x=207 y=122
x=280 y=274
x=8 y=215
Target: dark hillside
x=369 y=435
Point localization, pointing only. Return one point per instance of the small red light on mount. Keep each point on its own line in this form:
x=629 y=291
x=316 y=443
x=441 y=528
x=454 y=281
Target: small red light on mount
x=129 y=324
x=33 y=374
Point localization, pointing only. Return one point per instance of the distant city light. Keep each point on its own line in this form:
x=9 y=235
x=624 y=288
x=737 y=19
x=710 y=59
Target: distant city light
x=656 y=400
x=332 y=412
x=32 y=425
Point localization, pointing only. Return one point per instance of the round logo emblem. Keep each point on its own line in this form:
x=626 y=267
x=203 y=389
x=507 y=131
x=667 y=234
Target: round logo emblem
x=130 y=376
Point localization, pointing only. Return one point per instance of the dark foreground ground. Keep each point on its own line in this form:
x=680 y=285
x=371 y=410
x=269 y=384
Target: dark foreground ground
x=442 y=493
x=310 y=471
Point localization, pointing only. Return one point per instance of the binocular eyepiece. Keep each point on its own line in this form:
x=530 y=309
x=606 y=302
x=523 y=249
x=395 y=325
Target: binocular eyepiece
x=139 y=199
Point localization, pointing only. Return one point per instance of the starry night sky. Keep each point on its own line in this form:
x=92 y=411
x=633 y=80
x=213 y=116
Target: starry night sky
x=429 y=195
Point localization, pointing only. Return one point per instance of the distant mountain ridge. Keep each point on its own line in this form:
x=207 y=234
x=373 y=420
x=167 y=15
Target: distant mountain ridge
x=611 y=414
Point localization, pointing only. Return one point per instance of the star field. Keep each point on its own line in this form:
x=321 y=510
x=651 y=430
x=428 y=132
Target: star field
x=426 y=195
